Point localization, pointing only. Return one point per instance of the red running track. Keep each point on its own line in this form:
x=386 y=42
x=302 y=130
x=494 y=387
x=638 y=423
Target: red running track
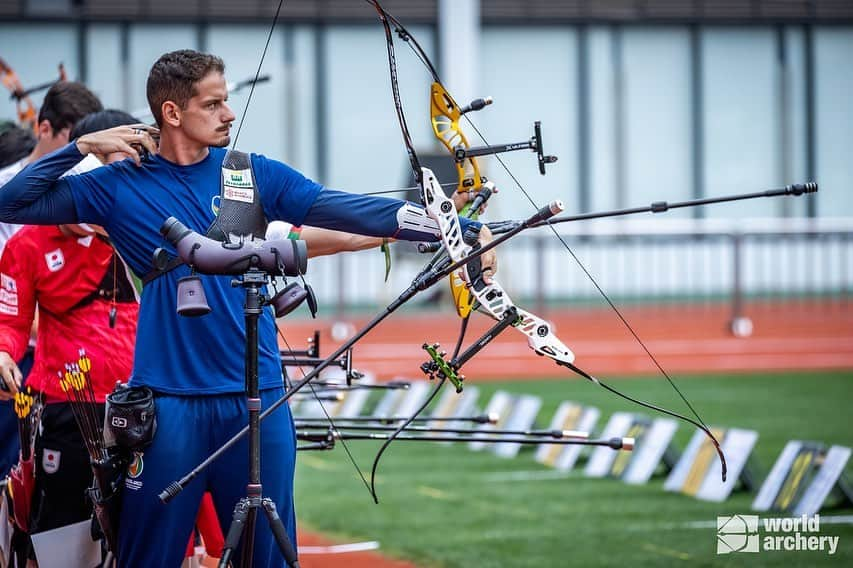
x=684 y=339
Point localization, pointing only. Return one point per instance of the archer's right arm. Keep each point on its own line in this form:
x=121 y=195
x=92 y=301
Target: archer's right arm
x=37 y=195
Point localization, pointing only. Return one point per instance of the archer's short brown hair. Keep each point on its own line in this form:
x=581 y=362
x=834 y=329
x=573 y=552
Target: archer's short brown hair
x=173 y=77
x=65 y=103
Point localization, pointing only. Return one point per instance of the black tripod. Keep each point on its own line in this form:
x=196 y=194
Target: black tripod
x=245 y=513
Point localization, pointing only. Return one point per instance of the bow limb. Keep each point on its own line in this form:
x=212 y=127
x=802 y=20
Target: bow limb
x=699 y=420
x=26 y=109
x=445 y=115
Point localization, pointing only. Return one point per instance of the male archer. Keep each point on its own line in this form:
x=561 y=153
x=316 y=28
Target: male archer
x=196 y=365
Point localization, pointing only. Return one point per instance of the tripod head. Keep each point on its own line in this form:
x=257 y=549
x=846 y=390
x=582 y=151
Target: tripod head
x=284 y=257
x=260 y=258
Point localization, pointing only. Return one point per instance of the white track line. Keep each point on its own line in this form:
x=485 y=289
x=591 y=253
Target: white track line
x=824 y=520
x=340 y=548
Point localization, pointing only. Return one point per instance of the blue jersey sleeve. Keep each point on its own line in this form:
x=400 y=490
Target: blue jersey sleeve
x=93 y=195
x=37 y=195
x=286 y=194
x=375 y=216
x=289 y=196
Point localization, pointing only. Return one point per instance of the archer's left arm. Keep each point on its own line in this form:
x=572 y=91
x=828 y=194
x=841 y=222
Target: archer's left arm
x=289 y=196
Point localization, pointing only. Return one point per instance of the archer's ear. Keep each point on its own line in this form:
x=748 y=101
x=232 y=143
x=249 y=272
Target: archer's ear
x=171 y=114
x=44 y=129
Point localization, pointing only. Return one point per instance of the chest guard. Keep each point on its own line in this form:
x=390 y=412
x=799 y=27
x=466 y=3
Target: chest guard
x=240 y=213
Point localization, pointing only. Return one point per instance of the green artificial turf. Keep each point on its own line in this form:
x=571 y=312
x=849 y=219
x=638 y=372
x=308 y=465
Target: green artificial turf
x=444 y=505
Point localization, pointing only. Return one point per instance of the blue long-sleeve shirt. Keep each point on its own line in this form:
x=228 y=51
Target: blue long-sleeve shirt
x=175 y=354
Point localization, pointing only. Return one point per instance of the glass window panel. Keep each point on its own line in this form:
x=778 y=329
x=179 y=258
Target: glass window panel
x=794 y=157
x=531 y=73
x=602 y=141
x=365 y=147
x=658 y=137
x=35 y=51
x=834 y=120
x=740 y=83
x=147 y=43
x=103 y=44
x=300 y=123
x=241 y=46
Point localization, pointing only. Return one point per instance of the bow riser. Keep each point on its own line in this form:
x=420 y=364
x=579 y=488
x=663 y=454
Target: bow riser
x=492 y=297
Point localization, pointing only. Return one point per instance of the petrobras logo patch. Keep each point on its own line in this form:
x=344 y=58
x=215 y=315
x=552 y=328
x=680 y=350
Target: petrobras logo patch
x=55 y=260
x=237 y=178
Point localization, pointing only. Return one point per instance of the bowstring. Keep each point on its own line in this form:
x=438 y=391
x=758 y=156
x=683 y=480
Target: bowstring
x=327 y=415
x=421 y=55
x=257 y=73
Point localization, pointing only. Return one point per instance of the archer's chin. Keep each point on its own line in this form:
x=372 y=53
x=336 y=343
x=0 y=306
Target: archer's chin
x=223 y=142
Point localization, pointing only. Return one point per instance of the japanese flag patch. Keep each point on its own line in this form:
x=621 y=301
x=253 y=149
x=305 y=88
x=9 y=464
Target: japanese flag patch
x=55 y=260
x=50 y=460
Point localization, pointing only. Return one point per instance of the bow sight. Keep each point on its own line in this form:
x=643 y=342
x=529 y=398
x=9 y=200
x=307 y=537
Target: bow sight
x=461 y=153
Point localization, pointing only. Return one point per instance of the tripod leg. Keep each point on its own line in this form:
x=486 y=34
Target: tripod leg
x=232 y=539
x=280 y=534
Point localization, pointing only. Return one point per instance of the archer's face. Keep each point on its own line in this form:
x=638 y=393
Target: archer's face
x=207 y=117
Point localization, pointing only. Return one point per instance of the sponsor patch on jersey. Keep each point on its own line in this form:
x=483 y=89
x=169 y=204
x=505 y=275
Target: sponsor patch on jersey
x=134 y=470
x=239 y=194
x=8 y=295
x=55 y=260
x=8 y=283
x=241 y=179
x=50 y=460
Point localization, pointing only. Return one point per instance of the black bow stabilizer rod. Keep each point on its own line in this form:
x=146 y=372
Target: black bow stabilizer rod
x=793 y=190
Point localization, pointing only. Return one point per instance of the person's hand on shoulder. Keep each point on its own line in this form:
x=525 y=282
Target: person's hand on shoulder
x=131 y=139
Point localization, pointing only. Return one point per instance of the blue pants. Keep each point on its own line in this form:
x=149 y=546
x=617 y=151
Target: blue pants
x=188 y=430
x=10 y=441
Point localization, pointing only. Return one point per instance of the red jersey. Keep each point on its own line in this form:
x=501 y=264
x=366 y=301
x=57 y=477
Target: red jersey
x=72 y=280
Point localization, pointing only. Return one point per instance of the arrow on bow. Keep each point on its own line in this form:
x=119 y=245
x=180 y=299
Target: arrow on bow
x=458 y=255
x=491 y=297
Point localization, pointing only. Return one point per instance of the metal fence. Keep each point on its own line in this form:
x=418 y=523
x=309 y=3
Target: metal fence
x=656 y=263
